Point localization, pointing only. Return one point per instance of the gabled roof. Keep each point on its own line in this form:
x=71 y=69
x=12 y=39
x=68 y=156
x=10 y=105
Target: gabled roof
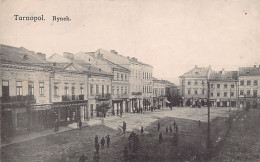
x=18 y=55
x=249 y=71
x=223 y=75
x=197 y=72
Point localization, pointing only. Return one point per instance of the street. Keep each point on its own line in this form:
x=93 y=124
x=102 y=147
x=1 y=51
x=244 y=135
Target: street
x=191 y=143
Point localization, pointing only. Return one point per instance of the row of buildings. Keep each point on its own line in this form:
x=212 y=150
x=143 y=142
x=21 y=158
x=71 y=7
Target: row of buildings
x=224 y=88
x=37 y=92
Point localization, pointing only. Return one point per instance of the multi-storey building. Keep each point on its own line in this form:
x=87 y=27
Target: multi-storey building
x=120 y=81
x=223 y=88
x=159 y=93
x=194 y=86
x=249 y=88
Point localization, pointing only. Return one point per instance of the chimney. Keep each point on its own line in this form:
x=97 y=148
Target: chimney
x=68 y=55
x=114 y=52
x=133 y=58
x=41 y=55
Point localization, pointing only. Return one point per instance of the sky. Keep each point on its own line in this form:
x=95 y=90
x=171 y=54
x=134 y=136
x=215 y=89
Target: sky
x=171 y=35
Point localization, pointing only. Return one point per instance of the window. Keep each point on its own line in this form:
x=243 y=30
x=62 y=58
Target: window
x=117 y=76
x=211 y=85
x=255 y=93
x=5 y=88
x=211 y=94
x=91 y=89
x=97 y=89
x=125 y=77
x=232 y=94
x=255 y=82
x=196 y=83
x=41 y=88
x=218 y=94
x=241 y=82
x=113 y=90
x=248 y=82
x=225 y=85
x=202 y=82
x=203 y=91
x=188 y=82
x=81 y=89
x=117 y=90
x=30 y=88
x=103 y=90
x=66 y=89
x=56 y=89
x=248 y=92
x=189 y=91
x=196 y=91
x=73 y=90
x=232 y=85
x=241 y=92
x=107 y=88
x=218 y=85
x=122 y=76
x=125 y=90
x=122 y=90
x=19 y=88
x=225 y=94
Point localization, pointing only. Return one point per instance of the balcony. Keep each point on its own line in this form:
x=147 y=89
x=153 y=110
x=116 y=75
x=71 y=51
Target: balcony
x=18 y=99
x=120 y=96
x=137 y=93
x=103 y=96
x=72 y=97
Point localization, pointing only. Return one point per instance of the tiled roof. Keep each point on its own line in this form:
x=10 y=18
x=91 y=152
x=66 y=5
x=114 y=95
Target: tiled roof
x=197 y=72
x=249 y=71
x=19 y=55
x=224 y=75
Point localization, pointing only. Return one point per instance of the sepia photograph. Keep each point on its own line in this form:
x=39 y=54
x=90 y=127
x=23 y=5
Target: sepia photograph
x=130 y=80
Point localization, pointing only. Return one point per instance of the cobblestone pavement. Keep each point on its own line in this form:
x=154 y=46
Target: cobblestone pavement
x=191 y=140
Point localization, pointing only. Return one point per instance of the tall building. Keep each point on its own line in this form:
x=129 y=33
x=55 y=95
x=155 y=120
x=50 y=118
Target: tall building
x=223 y=88
x=193 y=84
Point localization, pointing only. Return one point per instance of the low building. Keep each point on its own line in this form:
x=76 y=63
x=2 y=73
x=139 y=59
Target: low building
x=159 y=93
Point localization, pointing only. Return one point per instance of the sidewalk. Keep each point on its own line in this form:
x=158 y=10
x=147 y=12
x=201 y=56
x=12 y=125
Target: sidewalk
x=73 y=126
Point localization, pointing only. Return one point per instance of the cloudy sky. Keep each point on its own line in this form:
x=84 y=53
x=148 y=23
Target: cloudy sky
x=171 y=35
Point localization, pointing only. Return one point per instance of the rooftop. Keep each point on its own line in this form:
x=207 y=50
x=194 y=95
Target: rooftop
x=223 y=75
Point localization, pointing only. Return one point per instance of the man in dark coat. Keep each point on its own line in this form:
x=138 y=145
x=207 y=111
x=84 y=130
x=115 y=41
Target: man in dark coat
x=80 y=124
x=142 y=130
x=96 y=139
x=83 y=158
x=97 y=145
x=96 y=157
x=102 y=142
x=108 y=140
x=160 y=137
x=124 y=127
x=158 y=126
x=171 y=130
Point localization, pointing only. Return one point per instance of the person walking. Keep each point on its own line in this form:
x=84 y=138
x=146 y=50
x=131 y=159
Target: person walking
x=108 y=140
x=124 y=127
x=174 y=125
x=166 y=130
x=97 y=145
x=160 y=137
x=170 y=130
x=125 y=154
x=96 y=157
x=102 y=143
x=158 y=126
x=80 y=124
x=96 y=139
x=142 y=130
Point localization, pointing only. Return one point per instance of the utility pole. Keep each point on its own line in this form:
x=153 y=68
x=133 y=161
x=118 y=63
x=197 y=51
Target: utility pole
x=208 y=144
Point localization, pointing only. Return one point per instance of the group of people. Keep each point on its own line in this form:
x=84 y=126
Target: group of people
x=168 y=130
x=133 y=144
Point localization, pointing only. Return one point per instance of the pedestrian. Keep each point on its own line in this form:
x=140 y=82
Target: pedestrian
x=96 y=157
x=142 y=130
x=96 y=139
x=102 y=142
x=83 y=158
x=124 y=127
x=160 y=137
x=80 y=124
x=170 y=130
x=97 y=145
x=174 y=125
x=125 y=154
x=108 y=140
x=166 y=130
x=56 y=129
x=158 y=126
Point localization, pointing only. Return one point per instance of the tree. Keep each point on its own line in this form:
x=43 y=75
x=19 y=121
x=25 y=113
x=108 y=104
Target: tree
x=102 y=109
